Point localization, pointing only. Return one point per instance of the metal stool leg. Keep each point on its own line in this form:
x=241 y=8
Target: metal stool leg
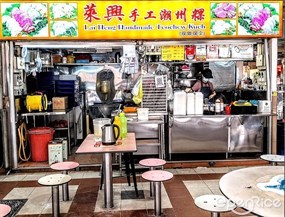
x=151 y=186
x=157 y=199
x=215 y=214
x=65 y=190
x=102 y=175
x=55 y=201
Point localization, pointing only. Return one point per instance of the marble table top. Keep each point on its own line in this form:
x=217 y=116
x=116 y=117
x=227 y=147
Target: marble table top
x=241 y=187
x=88 y=146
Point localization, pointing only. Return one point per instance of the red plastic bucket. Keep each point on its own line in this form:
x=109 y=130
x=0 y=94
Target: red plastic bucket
x=39 y=138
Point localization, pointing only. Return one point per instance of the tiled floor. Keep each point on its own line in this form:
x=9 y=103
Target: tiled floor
x=86 y=199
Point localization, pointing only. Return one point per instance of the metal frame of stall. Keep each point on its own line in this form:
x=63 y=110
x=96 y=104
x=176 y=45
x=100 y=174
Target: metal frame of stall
x=8 y=105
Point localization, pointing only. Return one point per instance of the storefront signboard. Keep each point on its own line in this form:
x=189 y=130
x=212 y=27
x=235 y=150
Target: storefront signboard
x=140 y=20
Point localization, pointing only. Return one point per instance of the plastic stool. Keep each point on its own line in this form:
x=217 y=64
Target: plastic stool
x=54 y=181
x=65 y=167
x=273 y=158
x=152 y=163
x=214 y=204
x=4 y=209
x=157 y=176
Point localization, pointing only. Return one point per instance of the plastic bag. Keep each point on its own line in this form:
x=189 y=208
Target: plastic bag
x=169 y=91
x=136 y=88
x=138 y=98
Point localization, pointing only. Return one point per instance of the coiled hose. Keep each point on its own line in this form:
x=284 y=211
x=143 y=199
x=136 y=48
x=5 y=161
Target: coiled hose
x=22 y=133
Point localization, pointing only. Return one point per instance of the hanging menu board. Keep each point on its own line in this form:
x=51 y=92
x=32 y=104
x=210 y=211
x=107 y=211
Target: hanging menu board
x=138 y=20
x=171 y=53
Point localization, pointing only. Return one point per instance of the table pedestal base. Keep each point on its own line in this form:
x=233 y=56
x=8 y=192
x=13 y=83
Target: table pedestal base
x=108 y=181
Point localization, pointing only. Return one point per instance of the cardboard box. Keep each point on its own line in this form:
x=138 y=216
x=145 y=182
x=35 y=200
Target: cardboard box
x=60 y=103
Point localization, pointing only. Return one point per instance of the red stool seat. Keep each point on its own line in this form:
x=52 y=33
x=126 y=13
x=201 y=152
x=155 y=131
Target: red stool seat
x=63 y=166
x=157 y=176
x=4 y=209
x=152 y=162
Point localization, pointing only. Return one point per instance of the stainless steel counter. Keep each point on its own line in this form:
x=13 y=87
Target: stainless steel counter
x=217 y=133
x=228 y=116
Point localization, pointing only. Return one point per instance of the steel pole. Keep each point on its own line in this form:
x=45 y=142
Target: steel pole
x=108 y=181
x=157 y=199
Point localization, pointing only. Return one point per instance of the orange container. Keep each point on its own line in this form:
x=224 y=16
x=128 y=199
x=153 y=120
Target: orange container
x=39 y=138
x=130 y=109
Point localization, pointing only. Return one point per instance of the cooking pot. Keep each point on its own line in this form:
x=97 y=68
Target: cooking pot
x=108 y=134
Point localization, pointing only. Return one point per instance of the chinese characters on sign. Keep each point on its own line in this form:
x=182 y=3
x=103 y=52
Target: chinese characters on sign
x=115 y=12
x=109 y=20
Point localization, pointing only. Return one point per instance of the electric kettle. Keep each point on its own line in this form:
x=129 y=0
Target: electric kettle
x=108 y=134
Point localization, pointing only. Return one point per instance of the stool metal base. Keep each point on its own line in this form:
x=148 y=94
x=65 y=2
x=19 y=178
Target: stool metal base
x=55 y=201
x=65 y=190
x=157 y=199
x=215 y=214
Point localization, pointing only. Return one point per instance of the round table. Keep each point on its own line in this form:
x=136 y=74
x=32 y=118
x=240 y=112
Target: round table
x=242 y=186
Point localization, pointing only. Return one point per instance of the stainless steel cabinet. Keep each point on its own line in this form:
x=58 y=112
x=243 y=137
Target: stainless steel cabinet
x=246 y=133
x=198 y=134
x=149 y=136
x=216 y=134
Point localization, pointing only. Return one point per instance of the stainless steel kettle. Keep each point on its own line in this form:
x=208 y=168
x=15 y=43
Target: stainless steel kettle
x=109 y=136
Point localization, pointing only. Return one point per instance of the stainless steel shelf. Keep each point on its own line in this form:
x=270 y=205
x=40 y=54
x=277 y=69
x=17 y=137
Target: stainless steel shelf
x=67 y=113
x=86 y=64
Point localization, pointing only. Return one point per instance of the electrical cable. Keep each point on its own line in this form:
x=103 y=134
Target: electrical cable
x=22 y=133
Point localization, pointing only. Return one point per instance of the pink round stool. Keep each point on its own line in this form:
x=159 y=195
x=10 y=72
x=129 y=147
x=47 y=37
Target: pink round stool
x=157 y=176
x=152 y=163
x=65 y=167
x=4 y=209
